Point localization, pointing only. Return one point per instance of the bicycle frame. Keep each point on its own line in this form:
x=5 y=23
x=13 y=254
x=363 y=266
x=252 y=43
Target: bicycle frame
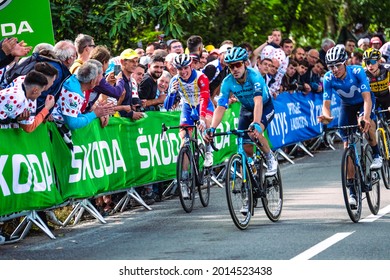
x=383 y=127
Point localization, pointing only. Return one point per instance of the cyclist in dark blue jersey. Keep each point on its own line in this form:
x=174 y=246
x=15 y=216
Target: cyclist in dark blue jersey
x=257 y=109
x=352 y=86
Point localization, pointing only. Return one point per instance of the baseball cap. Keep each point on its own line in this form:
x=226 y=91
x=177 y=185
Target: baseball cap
x=129 y=54
x=375 y=40
x=363 y=41
x=225 y=48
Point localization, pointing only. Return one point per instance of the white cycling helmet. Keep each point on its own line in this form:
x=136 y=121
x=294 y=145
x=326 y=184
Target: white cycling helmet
x=337 y=54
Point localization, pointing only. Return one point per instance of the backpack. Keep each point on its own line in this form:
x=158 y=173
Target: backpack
x=25 y=66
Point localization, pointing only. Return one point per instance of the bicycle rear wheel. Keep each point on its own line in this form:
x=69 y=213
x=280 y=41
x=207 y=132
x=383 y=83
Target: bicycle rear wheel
x=238 y=192
x=385 y=170
x=348 y=166
x=273 y=199
x=186 y=179
x=204 y=178
x=271 y=189
x=372 y=180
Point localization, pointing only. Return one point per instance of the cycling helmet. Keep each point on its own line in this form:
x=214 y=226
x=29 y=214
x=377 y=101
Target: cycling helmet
x=182 y=60
x=336 y=54
x=372 y=54
x=236 y=54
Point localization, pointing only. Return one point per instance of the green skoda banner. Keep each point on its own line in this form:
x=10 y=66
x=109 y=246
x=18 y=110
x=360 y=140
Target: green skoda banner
x=125 y=154
x=39 y=171
x=27 y=176
x=26 y=20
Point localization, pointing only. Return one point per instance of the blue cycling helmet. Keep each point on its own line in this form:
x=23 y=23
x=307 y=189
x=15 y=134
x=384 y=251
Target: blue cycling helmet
x=236 y=54
x=182 y=60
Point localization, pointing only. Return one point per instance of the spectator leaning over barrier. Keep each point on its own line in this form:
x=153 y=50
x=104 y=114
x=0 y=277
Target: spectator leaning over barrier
x=67 y=112
x=17 y=102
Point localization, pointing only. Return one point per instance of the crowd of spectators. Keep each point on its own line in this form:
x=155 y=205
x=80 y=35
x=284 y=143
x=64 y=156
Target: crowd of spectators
x=81 y=81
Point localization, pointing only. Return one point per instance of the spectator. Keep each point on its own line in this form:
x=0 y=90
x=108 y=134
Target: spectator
x=350 y=47
x=385 y=50
x=302 y=69
x=162 y=86
x=289 y=81
x=326 y=44
x=264 y=67
x=139 y=73
x=17 y=102
x=174 y=46
x=168 y=64
x=148 y=86
x=298 y=54
x=140 y=52
x=102 y=54
x=315 y=77
x=67 y=112
x=84 y=45
x=216 y=71
x=376 y=43
x=356 y=58
x=127 y=108
x=65 y=52
x=287 y=46
x=364 y=44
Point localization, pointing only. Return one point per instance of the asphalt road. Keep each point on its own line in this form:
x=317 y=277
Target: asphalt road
x=314 y=226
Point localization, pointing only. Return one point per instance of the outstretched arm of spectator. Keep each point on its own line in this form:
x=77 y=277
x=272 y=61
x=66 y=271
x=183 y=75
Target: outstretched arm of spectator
x=113 y=91
x=49 y=103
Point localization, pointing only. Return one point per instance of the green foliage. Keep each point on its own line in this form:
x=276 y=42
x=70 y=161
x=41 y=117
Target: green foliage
x=120 y=24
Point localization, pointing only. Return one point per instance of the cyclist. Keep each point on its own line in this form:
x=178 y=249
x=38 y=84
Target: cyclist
x=351 y=84
x=193 y=88
x=379 y=78
x=257 y=109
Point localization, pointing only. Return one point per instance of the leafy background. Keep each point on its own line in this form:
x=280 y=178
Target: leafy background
x=120 y=24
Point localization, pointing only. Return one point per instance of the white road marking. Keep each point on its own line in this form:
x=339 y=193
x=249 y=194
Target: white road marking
x=323 y=245
x=381 y=213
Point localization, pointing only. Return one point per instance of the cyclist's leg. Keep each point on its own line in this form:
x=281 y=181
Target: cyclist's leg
x=209 y=117
x=348 y=117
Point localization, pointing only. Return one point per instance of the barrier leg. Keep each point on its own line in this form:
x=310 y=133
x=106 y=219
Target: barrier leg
x=78 y=212
x=126 y=199
x=25 y=225
x=283 y=154
x=170 y=189
x=300 y=145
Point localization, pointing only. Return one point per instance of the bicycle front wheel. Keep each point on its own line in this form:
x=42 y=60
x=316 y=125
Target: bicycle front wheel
x=385 y=164
x=351 y=182
x=372 y=182
x=239 y=192
x=273 y=196
x=186 y=179
x=204 y=178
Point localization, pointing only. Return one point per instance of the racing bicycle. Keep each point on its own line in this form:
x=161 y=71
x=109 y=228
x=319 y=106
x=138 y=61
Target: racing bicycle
x=245 y=184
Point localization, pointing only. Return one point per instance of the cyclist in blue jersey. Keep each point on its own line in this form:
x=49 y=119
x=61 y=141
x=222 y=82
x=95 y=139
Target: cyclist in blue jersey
x=352 y=86
x=257 y=109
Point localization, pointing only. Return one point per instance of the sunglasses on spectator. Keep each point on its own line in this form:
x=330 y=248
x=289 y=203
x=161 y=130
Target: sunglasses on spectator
x=177 y=47
x=335 y=66
x=371 y=61
x=235 y=65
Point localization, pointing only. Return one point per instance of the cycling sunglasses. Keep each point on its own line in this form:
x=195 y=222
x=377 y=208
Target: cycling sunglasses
x=371 y=61
x=235 y=65
x=335 y=66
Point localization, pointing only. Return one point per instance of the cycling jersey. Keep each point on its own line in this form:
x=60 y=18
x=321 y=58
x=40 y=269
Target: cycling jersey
x=194 y=93
x=254 y=85
x=350 y=88
x=380 y=84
